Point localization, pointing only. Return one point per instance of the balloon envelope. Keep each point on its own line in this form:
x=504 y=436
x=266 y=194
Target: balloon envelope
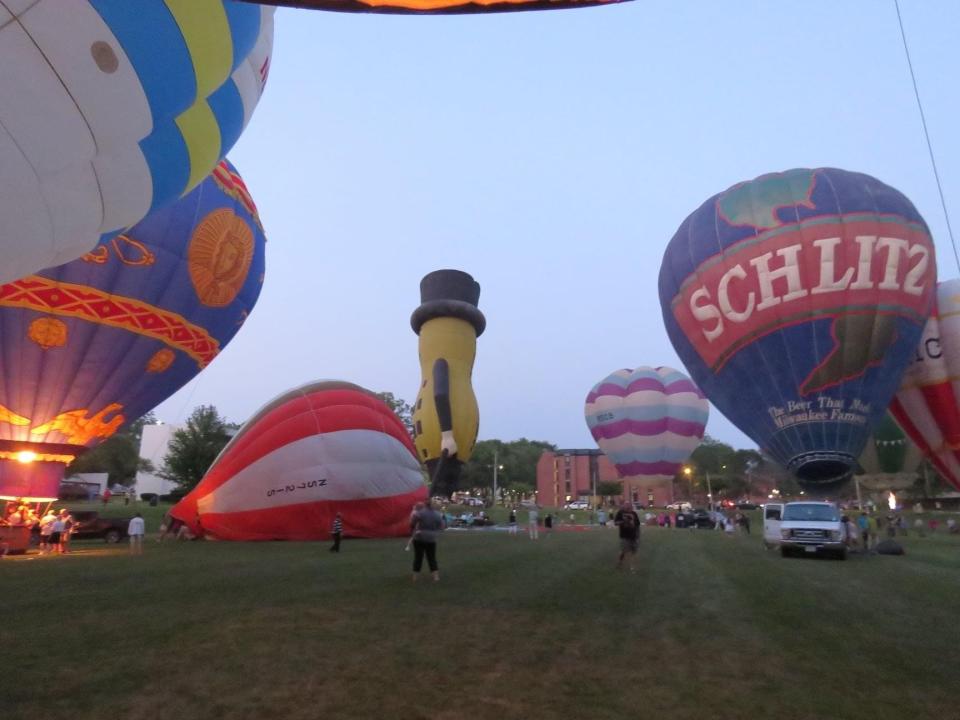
x=314 y=451
x=795 y=301
x=647 y=421
x=433 y=7
x=927 y=404
x=112 y=108
x=97 y=342
x=890 y=460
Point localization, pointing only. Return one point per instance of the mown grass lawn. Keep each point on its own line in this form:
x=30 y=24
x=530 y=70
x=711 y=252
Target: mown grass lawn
x=709 y=627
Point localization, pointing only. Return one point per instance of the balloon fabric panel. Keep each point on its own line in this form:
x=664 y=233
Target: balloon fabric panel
x=434 y=7
x=927 y=404
x=795 y=301
x=110 y=109
x=647 y=421
x=97 y=342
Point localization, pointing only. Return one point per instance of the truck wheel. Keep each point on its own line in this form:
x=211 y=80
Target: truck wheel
x=785 y=552
x=841 y=554
x=112 y=536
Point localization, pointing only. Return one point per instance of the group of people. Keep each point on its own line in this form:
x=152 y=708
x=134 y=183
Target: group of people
x=55 y=526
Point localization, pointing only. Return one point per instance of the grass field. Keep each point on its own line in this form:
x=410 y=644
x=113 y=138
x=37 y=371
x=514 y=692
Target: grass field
x=708 y=627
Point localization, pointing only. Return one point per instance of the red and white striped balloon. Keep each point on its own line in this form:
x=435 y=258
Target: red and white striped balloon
x=927 y=406
x=314 y=451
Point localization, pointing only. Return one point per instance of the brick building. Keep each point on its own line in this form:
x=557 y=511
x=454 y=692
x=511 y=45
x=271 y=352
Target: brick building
x=567 y=475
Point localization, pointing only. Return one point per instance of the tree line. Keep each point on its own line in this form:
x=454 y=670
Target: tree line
x=195 y=446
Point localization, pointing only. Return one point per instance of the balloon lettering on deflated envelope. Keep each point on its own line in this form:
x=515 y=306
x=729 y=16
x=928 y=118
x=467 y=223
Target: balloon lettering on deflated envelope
x=795 y=301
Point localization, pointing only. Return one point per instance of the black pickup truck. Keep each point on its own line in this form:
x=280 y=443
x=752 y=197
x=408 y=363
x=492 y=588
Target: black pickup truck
x=90 y=526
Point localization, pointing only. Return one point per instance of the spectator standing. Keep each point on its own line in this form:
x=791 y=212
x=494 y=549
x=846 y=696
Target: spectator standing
x=532 y=519
x=106 y=496
x=863 y=523
x=337 y=532
x=628 y=522
x=513 y=521
x=873 y=525
x=56 y=534
x=426 y=525
x=548 y=523
x=68 y=524
x=46 y=528
x=135 y=530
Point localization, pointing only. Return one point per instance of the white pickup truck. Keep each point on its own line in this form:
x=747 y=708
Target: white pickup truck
x=804 y=527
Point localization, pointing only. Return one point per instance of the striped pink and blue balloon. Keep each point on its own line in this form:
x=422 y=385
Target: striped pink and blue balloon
x=647 y=421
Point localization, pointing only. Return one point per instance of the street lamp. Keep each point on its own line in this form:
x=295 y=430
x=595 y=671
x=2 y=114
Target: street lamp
x=688 y=471
x=496 y=468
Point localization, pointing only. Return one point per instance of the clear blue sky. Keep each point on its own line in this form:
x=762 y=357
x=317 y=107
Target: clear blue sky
x=552 y=155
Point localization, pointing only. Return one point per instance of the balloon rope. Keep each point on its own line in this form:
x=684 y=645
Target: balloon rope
x=926 y=134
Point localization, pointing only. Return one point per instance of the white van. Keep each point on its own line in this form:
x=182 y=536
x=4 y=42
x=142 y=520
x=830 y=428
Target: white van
x=772 y=513
x=812 y=527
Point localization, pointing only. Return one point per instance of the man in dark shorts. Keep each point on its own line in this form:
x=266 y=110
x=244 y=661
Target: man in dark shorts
x=628 y=522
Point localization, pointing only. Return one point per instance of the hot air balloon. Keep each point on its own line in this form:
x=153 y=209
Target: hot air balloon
x=890 y=460
x=927 y=404
x=110 y=109
x=316 y=450
x=90 y=345
x=445 y=415
x=647 y=421
x=795 y=301
x=435 y=7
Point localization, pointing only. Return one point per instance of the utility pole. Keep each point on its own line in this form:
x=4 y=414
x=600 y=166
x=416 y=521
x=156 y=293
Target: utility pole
x=495 y=466
x=709 y=490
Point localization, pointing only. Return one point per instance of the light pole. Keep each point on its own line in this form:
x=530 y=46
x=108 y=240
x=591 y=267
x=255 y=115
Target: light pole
x=496 y=468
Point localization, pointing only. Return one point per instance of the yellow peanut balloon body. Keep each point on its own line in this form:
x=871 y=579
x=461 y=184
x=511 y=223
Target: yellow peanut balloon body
x=455 y=341
x=445 y=417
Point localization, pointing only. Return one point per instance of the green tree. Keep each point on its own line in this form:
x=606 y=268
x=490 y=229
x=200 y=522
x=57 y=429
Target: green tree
x=118 y=456
x=193 y=448
x=401 y=408
x=516 y=466
x=609 y=488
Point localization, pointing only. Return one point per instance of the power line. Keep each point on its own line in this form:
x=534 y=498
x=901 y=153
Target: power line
x=926 y=134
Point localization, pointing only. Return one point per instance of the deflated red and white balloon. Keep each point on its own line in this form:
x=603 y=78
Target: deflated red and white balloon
x=323 y=448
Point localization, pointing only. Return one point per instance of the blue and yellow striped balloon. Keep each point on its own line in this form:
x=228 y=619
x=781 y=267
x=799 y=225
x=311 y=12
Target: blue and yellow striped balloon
x=110 y=109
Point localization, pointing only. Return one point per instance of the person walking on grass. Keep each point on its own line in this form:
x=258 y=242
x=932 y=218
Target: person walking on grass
x=628 y=522
x=136 y=531
x=337 y=532
x=532 y=518
x=426 y=526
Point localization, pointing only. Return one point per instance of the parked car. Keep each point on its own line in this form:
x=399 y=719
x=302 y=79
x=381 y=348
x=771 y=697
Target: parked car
x=577 y=505
x=472 y=502
x=747 y=506
x=90 y=526
x=682 y=506
x=695 y=519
